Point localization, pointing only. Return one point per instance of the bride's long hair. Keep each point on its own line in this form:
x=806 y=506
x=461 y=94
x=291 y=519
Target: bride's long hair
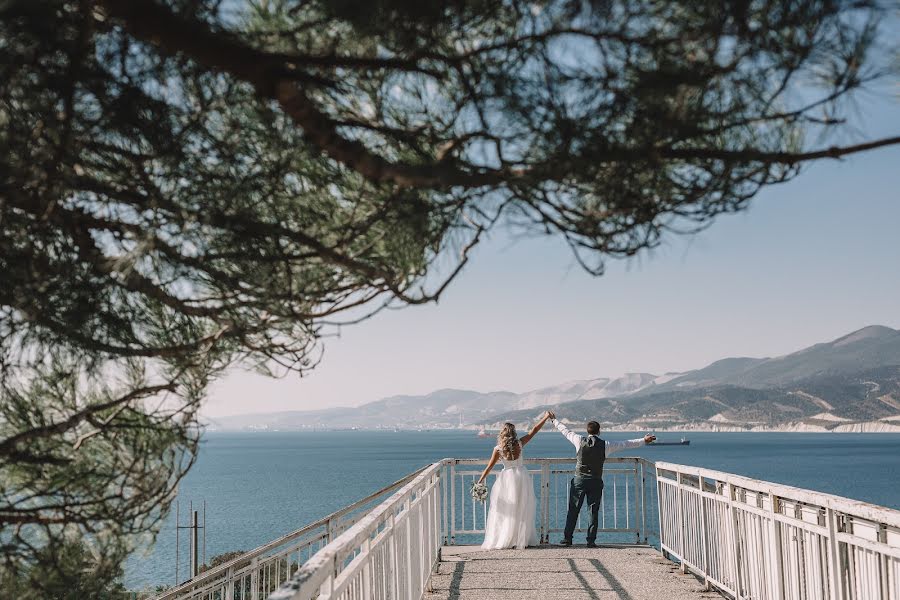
x=508 y=442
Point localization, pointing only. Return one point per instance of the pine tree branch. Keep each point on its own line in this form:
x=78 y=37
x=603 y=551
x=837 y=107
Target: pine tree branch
x=9 y=445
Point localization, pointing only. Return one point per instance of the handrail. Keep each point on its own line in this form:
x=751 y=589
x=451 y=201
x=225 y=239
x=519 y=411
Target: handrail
x=866 y=510
x=327 y=564
x=555 y=460
x=212 y=575
x=758 y=539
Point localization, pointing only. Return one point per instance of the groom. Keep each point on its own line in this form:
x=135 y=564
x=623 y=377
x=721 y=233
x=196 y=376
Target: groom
x=591 y=453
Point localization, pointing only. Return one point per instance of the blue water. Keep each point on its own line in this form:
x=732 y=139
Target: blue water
x=258 y=486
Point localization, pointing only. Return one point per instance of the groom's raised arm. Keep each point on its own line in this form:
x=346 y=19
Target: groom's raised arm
x=574 y=438
x=627 y=444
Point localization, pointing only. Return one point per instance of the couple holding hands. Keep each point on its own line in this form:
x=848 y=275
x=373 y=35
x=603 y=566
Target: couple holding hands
x=510 y=520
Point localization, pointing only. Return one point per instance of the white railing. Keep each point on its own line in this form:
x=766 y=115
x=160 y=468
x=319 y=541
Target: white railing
x=628 y=489
x=758 y=540
x=750 y=539
x=256 y=574
x=389 y=553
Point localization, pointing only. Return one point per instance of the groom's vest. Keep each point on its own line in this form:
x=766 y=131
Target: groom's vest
x=591 y=456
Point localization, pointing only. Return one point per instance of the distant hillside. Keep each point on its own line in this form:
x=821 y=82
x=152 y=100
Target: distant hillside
x=442 y=408
x=867 y=348
x=603 y=387
x=850 y=379
x=827 y=400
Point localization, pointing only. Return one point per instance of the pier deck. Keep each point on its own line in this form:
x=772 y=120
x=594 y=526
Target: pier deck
x=550 y=573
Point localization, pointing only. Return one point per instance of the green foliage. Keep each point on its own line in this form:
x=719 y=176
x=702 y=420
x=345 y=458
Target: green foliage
x=221 y=559
x=67 y=571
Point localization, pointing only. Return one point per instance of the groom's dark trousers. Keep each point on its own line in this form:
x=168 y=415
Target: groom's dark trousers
x=579 y=489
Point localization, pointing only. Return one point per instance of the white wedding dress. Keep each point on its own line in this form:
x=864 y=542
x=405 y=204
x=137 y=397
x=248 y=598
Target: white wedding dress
x=510 y=520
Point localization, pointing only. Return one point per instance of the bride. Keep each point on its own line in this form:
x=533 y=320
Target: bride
x=510 y=520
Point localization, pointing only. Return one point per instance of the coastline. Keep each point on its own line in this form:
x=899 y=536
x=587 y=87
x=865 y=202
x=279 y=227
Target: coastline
x=796 y=427
x=813 y=426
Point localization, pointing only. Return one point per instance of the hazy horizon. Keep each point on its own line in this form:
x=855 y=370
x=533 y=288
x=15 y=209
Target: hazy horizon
x=549 y=384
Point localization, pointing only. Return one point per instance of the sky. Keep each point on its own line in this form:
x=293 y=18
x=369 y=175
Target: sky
x=809 y=261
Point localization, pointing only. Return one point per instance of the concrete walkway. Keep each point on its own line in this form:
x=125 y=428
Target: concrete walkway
x=550 y=573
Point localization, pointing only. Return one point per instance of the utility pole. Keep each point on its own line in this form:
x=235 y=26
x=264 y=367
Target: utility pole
x=195 y=563
x=195 y=528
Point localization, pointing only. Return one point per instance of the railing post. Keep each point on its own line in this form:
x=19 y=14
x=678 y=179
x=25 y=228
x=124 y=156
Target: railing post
x=452 y=503
x=443 y=474
x=407 y=507
x=885 y=563
x=735 y=531
x=659 y=508
x=704 y=532
x=329 y=531
x=643 y=501
x=777 y=558
x=834 y=557
x=679 y=512
x=426 y=546
x=254 y=578
x=435 y=524
x=615 y=498
x=637 y=516
x=545 y=502
x=367 y=569
x=332 y=576
x=229 y=584
x=392 y=549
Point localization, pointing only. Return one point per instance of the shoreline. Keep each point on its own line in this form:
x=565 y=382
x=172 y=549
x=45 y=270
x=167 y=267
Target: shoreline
x=812 y=426
x=799 y=427
x=704 y=427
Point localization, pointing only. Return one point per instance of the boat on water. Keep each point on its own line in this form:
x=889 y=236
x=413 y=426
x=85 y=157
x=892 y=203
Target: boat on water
x=682 y=442
x=484 y=434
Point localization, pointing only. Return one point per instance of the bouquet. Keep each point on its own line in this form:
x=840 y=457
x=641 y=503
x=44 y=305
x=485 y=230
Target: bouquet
x=479 y=491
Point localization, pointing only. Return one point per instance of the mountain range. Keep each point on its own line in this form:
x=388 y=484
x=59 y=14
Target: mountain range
x=836 y=385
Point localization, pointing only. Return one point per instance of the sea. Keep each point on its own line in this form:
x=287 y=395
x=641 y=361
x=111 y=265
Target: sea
x=257 y=486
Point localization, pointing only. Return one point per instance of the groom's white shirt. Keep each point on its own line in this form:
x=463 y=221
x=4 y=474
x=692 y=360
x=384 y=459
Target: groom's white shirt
x=611 y=447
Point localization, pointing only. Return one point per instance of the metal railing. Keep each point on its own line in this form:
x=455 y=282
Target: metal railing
x=389 y=553
x=758 y=540
x=628 y=488
x=259 y=572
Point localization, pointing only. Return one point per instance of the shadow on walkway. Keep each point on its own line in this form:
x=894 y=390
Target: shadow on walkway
x=614 y=583
x=555 y=573
x=456 y=580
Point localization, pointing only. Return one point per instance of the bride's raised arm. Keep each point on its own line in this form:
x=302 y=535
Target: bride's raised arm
x=495 y=455
x=527 y=437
